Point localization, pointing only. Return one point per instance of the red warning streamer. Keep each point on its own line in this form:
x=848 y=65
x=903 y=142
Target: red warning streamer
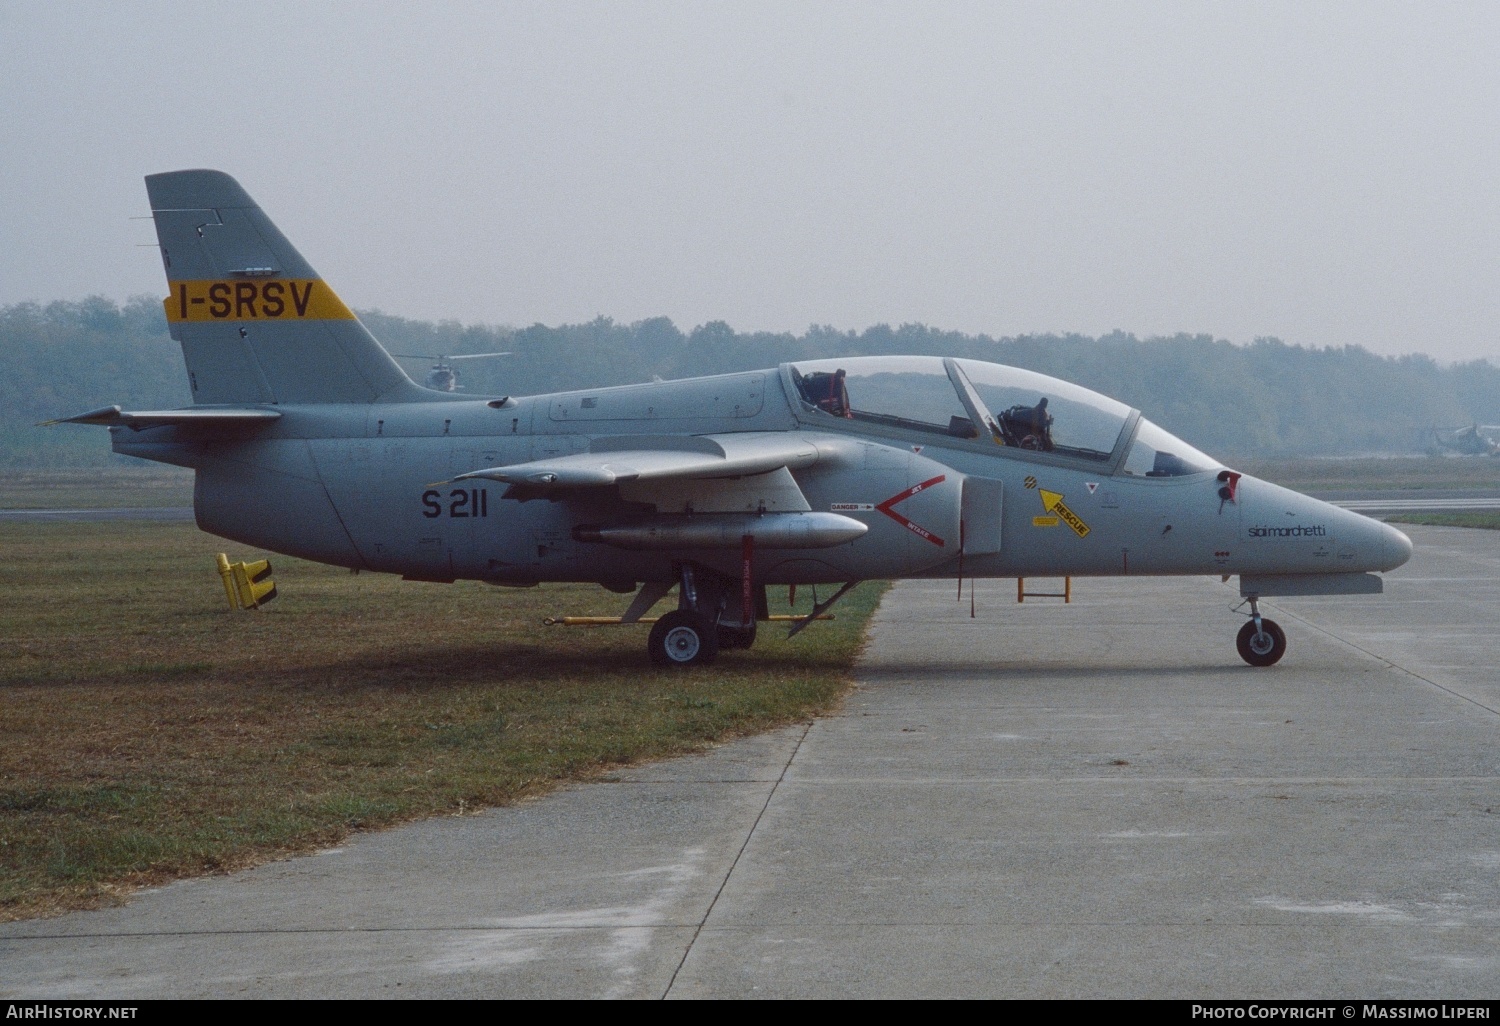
x=747 y=596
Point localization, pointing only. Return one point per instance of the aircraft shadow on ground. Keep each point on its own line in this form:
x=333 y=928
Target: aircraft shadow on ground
x=458 y=665
x=467 y=665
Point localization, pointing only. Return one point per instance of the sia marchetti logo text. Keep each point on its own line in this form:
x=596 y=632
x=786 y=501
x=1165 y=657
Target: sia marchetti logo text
x=1310 y=531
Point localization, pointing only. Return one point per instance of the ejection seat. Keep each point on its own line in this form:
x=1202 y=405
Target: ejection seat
x=1028 y=427
x=828 y=392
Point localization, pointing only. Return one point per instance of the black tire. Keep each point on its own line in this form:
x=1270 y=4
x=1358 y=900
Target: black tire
x=736 y=637
x=1265 y=650
x=683 y=638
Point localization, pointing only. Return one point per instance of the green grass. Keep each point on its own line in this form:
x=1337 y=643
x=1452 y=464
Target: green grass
x=1487 y=519
x=148 y=732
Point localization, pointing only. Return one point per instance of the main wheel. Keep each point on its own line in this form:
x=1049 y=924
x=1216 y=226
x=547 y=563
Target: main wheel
x=1263 y=648
x=683 y=638
x=736 y=637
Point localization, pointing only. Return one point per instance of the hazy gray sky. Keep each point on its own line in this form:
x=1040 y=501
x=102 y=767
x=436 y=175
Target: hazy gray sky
x=1323 y=172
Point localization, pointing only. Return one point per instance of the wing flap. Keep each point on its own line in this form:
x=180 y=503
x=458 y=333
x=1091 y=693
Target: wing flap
x=621 y=460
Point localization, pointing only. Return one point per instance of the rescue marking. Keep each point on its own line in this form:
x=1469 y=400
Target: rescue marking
x=1044 y=521
x=282 y=299
x=916 y=529
x=1092 y=486
x=1052 y=502
x=1030 y=482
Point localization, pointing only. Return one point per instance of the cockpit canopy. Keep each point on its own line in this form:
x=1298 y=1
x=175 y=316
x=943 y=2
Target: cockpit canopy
x=971 y=399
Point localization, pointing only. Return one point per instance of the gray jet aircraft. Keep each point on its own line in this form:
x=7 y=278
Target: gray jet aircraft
x=307 y=438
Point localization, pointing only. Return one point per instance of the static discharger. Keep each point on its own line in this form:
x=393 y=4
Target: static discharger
x=247 y=585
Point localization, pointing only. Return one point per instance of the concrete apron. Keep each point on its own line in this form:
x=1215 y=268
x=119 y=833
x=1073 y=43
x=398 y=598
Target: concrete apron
x=1096 y=799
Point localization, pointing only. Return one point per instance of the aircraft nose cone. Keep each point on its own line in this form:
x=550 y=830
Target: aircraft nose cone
x=1397 y=547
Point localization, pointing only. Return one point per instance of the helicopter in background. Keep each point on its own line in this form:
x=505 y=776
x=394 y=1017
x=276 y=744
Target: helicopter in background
x=443 y=376
x=1474 y=440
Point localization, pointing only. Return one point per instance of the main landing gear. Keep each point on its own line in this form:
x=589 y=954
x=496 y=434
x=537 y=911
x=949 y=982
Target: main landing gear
x=683 y=638
x=713 y=612
x=1261 y=642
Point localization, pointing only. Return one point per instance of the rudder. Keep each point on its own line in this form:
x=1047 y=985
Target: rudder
x=255 y=321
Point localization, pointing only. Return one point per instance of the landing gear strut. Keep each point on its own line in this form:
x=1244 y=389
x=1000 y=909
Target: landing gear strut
x=710 y=616
x=1261 y=642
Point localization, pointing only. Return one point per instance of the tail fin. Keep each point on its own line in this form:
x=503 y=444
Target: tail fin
x=256 y=323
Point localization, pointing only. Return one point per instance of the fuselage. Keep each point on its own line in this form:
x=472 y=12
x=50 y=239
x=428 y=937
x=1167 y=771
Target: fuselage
x=370 y=486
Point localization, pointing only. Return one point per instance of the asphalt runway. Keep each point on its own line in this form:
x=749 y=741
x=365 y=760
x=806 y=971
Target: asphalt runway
x=1428 y=504
x=41 y=516
x=1090 y=800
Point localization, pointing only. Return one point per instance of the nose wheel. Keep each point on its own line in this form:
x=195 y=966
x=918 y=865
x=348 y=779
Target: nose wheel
x=1261 y=642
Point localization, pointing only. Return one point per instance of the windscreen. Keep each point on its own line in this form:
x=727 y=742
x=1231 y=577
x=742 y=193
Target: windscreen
x=1158 y=453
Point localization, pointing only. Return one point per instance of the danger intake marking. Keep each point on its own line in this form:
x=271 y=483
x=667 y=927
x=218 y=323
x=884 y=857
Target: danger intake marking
x=301 y=299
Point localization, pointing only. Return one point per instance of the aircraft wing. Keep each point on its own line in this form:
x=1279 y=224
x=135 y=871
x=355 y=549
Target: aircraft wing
x=625 y=459
x=113 y=416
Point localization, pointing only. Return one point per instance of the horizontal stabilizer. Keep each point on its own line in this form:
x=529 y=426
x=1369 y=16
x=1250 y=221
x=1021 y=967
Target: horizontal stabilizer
x=113 y=416
x=655 y=458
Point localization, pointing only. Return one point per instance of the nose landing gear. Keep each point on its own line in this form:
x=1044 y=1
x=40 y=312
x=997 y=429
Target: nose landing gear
x=1261 y=642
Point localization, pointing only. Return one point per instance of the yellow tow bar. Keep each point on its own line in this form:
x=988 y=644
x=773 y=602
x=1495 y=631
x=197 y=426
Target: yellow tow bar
x=611 y=621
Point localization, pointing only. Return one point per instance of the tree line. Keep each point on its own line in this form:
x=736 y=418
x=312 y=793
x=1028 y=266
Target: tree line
x=1266 y=399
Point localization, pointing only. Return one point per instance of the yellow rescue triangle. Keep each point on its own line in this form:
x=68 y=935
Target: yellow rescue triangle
x=1052 y=502
x=272 y=299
